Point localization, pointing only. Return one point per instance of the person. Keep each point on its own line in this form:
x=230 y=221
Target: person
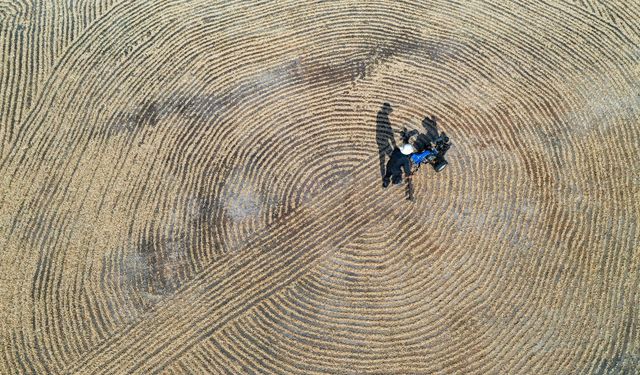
x=399 y=161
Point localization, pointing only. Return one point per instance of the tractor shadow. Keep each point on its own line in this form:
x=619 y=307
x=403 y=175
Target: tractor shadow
x=424 y=140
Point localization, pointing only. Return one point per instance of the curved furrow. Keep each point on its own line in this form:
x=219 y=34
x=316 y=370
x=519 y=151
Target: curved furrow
x=195 y=187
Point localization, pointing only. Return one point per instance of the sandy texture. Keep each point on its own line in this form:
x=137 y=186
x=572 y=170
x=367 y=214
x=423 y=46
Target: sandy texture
x=194 y=187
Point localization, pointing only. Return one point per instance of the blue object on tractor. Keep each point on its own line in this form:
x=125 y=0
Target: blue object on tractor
x=419 y=157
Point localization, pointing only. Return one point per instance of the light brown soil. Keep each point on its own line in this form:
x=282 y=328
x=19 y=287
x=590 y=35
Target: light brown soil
x=194 y=187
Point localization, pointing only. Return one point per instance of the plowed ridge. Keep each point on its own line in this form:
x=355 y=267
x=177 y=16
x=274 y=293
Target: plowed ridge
x=194 y=187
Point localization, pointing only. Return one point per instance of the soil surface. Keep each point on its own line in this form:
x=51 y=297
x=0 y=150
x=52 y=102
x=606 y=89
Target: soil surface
x=195 y=187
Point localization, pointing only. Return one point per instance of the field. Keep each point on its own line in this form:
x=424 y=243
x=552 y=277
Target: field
x=194 y=187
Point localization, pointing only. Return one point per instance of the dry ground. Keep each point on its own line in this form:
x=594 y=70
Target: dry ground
x=193 y=187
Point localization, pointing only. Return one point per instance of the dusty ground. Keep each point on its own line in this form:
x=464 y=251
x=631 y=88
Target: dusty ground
x=194 y=187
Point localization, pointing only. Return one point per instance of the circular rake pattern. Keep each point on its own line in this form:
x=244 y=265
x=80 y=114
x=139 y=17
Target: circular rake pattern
x=194 y=188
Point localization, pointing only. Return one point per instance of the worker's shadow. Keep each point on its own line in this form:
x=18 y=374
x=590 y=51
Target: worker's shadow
x=384 y=136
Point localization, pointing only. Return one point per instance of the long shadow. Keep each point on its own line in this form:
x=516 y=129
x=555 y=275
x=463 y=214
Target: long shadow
x=384 y=136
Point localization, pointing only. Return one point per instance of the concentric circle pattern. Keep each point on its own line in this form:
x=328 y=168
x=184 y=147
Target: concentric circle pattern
x=194 y=187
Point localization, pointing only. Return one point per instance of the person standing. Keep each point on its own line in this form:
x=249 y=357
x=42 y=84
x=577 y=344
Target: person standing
x=399 y=162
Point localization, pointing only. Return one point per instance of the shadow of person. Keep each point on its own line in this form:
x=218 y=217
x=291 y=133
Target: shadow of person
x=431 y=133
x=384 y=135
